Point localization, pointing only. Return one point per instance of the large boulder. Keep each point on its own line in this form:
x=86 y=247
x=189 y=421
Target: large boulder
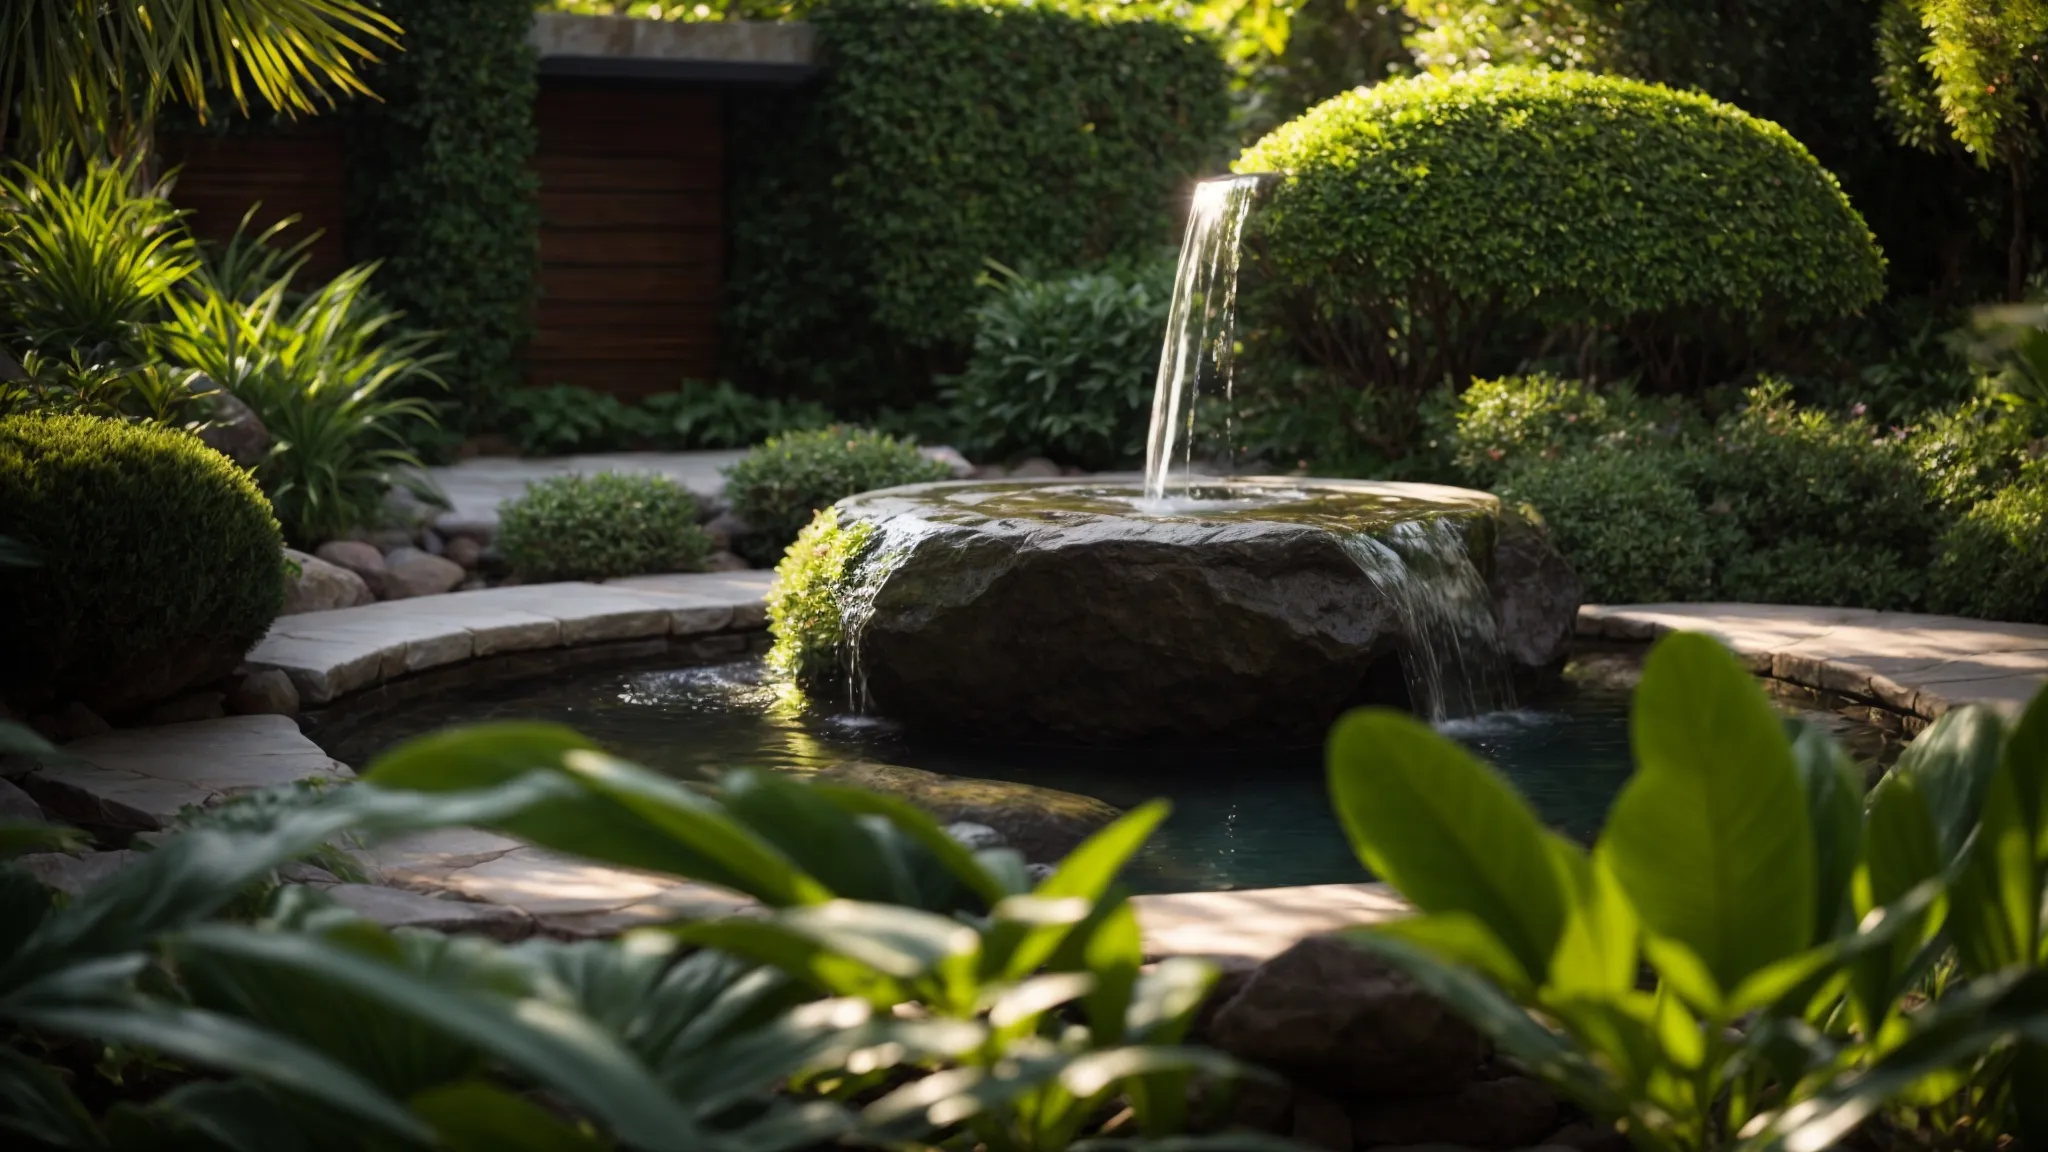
x=1020 y=610
x=1535 y=592
x=1043 y=823
x=1336 y=1020
x=233 y=429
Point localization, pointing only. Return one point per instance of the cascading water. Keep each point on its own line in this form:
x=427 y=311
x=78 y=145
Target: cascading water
x=1200 y=326
x=1454 y=662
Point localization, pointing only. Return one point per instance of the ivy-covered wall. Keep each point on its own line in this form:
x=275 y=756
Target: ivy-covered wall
x=945 y=134
x=443 y=192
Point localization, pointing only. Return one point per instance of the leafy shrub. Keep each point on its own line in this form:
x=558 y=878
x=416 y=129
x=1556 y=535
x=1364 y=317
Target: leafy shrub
x=1064 y=367
x=1785 y=475
x=1740 y=867
x=947 y=133
x=1809 y=570
x=1970 y=452
x=443 y=188
x=1502 y=423
x=85 y=262
x=159 y=562
x=598 y=527
x=778 y=487
x=701 y=415
x=1992 y=562
x=1419 y=218
x=325 y=375
x=564 y=420
x=84 y=384
x=804 y=609
x=1632 y=531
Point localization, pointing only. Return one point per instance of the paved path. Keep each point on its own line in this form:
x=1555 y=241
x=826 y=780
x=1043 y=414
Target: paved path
x=1920 y=666
x=475 y=488
x=468 y=880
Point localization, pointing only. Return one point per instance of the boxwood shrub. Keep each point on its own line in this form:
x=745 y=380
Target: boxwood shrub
x=778 y=487
x=598 y=527
x=159 y=562
x=1419 y=218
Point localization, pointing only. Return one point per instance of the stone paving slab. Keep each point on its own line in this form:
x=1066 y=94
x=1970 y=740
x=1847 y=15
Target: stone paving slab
x=139 y=778
x=475 y=488
x=333 y=653
x=1257 y=924
x=1906 y=662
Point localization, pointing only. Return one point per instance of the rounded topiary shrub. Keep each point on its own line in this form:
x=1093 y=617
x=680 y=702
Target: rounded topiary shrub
x=1419 y=219
x=1992 y=563
x=598 y=527
x=159 y=562
x=1633 y=533
x=779 y=486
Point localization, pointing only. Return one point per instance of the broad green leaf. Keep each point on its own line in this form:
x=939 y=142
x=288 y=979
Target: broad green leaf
x=1457 y=938
x=21 y=740
x=1599 y=953
x=22 y=839
x=1710 y=839
x=223 y=1116
x=914 y=823
x=1448 y=832
x=222 y=1043
x=1018 y=944
x=36 y=1103
x=1114 y=953
x=1995 y=900
x=477 y=1117
x=552 y=1044
x=619 y=814
x=1834 y=802
x=1951 y=765
x=820 y=838
x=799 y=954
x=2025 y=759
x=1166 y=998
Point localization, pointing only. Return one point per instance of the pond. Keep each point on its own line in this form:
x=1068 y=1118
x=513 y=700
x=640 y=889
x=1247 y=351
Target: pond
x=1253 y=817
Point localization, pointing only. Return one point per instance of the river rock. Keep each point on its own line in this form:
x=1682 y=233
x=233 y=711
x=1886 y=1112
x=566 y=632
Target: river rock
x=1535 y=593
x=1042 y=823
x=269 y=692
x=17 y=805
x=320 y=586
x=1048 y=610
x=358 y=556
x=465 y=551
x=1512 y=1112
x=233 y=429
x=1337 y=1020
x=409 y=572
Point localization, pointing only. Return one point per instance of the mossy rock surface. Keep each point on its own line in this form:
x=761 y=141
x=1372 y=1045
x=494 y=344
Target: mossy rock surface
x=1059 y=611
x=1043 y=823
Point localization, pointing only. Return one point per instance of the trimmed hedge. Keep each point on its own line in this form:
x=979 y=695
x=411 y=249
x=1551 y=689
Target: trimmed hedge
x=444 y=191
x=945 y=135
x=1445 y=210
x=602 y=526
x=779 y=487
x=1993 y=561
x=160 y=564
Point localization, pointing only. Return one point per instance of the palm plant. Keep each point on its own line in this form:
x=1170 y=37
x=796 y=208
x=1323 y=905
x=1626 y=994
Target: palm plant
x=95 y=74
x=322 y=371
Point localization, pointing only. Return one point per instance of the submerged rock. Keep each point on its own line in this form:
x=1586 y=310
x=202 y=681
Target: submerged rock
x=1028 y=610
x=1042 y=823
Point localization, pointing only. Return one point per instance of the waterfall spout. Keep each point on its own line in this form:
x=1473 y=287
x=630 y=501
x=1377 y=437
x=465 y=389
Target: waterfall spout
x=1201 y=325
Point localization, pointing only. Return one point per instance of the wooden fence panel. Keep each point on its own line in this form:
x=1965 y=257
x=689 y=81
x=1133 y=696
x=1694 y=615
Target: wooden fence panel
x=632 y=236
x=303 y=172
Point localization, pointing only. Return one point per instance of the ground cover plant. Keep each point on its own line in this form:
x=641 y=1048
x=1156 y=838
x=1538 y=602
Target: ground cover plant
x=777 y=488
x=602 y=526
x=756 y=1033
x=1812 y=963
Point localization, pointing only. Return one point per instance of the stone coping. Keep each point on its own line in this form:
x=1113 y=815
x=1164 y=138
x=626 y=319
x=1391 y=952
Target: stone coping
x=723 y=41
x=331 y=654
x=1914 y=665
